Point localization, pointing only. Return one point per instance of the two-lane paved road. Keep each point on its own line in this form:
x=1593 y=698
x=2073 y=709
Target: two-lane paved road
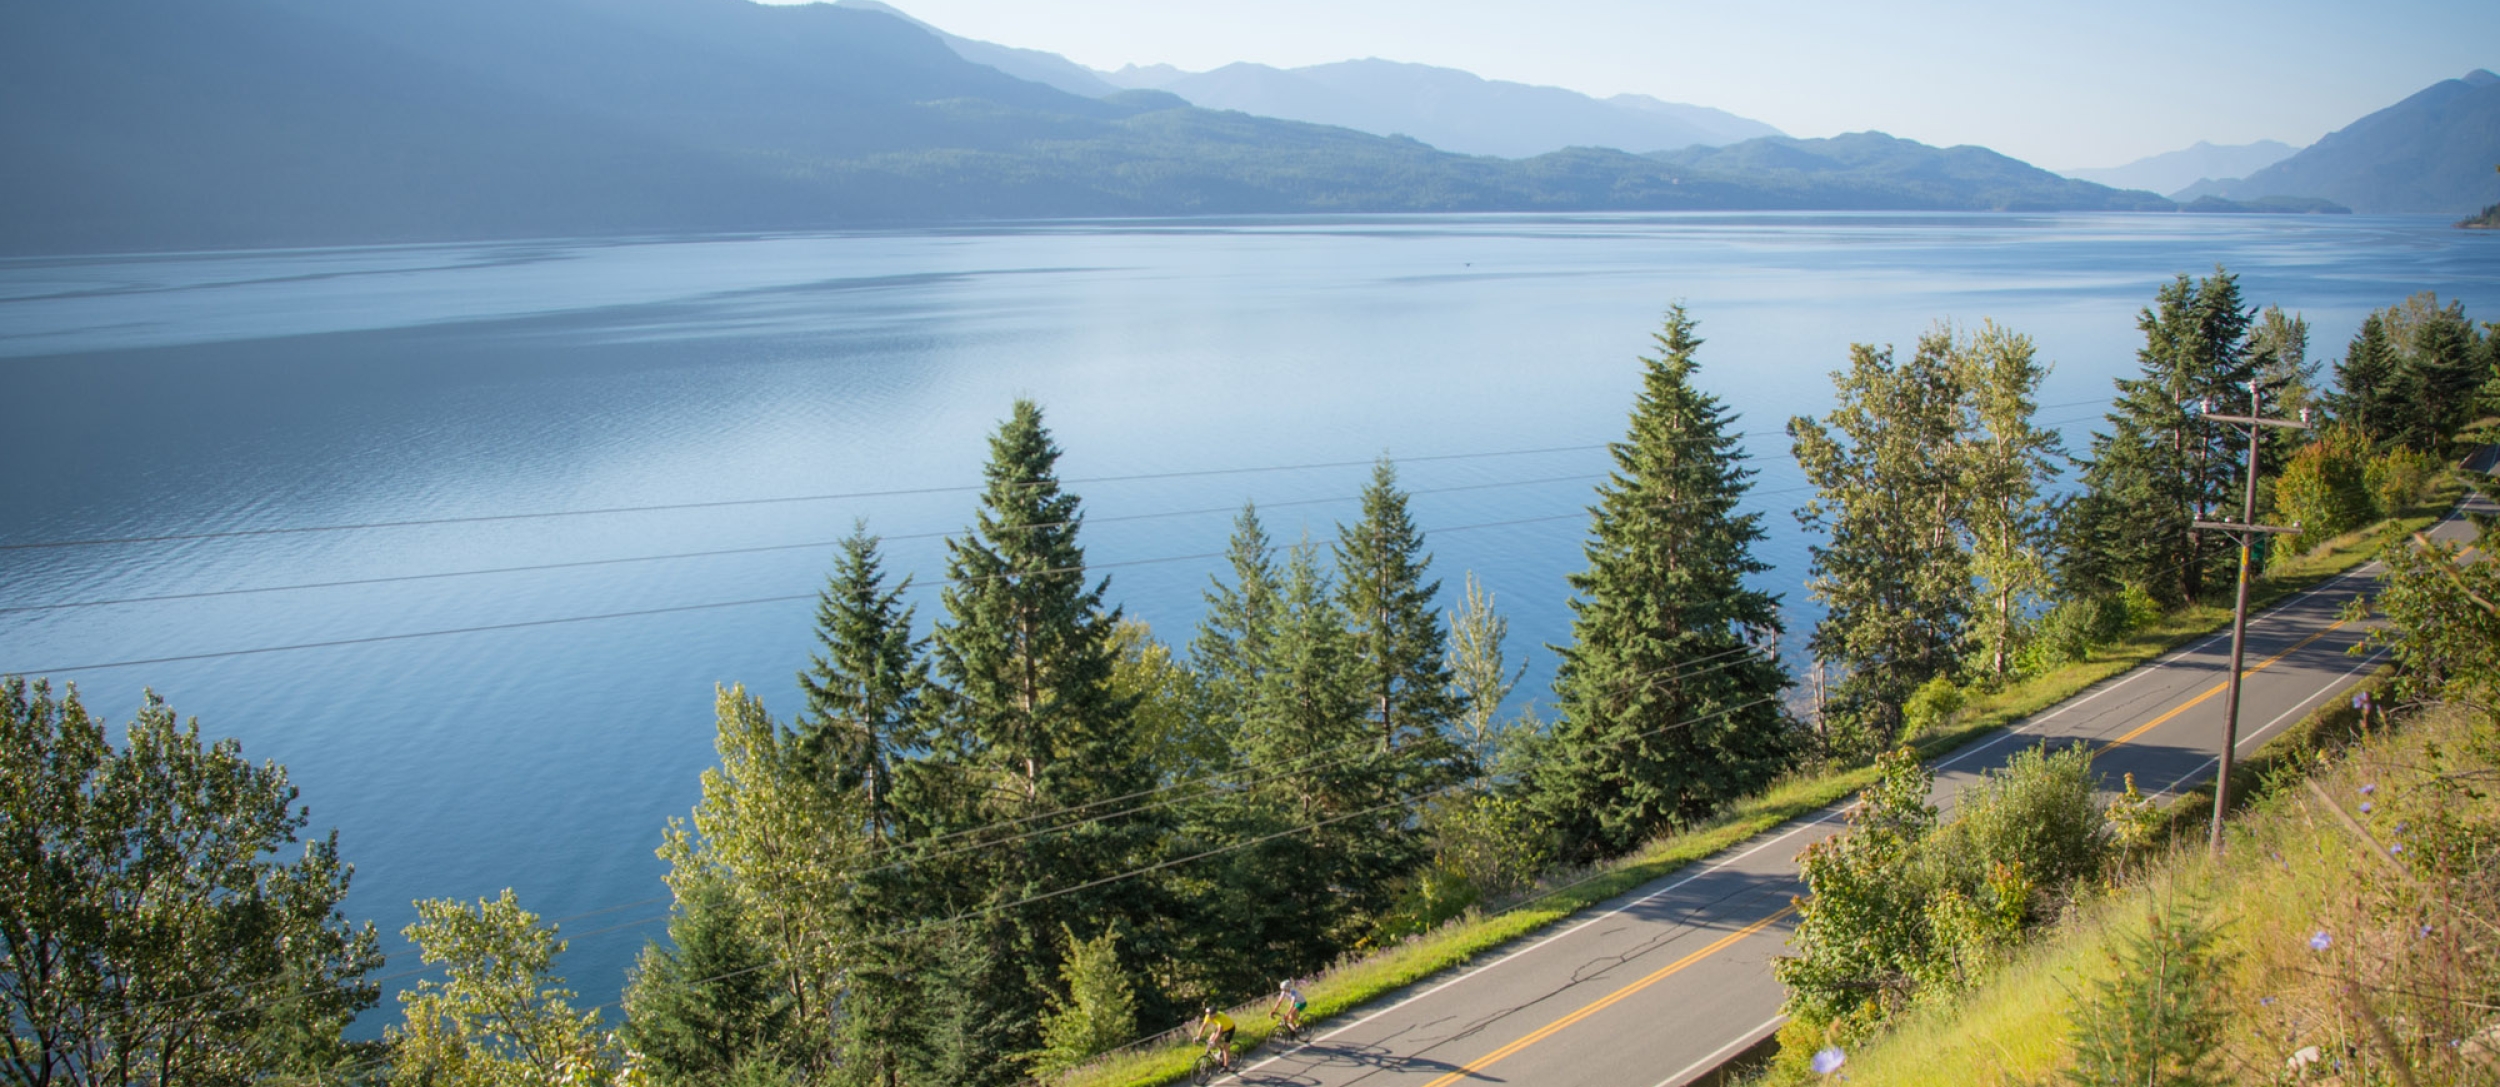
x=1660 y=986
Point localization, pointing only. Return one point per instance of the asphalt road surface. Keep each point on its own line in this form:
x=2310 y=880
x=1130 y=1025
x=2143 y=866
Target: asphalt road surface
x=1659 y=987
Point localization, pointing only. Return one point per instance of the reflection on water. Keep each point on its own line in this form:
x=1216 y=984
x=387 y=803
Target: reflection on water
x=226 y=392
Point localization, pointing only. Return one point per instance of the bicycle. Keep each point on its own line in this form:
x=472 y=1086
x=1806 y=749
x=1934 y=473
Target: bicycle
x=1208 y=1066
x=1291 y=1031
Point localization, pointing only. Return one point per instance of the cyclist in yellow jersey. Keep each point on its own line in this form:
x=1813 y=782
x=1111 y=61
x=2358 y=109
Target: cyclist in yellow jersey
x=1217 y=1028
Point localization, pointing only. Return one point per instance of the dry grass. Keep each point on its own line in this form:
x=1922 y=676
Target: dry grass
x=2410 y=972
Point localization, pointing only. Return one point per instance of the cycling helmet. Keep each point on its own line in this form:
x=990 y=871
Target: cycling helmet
x=1285 y=986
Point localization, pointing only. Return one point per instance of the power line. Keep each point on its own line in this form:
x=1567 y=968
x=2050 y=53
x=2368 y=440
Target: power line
x=661 y=507
x=725 y=503
x=675 y=609
x=955 y=919
x=754 y=550
x=1681 y=669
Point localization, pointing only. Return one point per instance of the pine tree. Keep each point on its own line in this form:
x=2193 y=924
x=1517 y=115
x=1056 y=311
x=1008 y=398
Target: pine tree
x=699 y=1009
x=2006 y=463
x=2441 y=369
x=1893 y=573
x=864 y=688
x=1232 y=638
x=2154 y=1018
x=2159 y=469
x=1668 y=693
x=2367 y=396
x=1026 y=647
x=1395 y=630
x=1316 y=755
x=1033 y=725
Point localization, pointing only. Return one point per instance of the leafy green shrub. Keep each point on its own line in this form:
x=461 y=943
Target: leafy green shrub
x=1098 y=1013
x=2399 y=479
x=2039 y=813
x=2324 y=489
x=2070 y=630
x=1931 y=705
x=1900 y=906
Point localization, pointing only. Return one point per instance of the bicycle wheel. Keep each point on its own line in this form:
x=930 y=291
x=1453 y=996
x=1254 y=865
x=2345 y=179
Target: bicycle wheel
x=1203 y=1072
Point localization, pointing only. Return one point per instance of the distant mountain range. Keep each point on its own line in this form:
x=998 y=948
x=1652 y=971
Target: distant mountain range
x=2432 y=152
x=1444 y=107
x=154 y=124
x=2172 y=171
x=1450 y=109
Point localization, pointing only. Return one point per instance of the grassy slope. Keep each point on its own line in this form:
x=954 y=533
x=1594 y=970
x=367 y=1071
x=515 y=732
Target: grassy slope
x=2291 y=870
x=1375 y=977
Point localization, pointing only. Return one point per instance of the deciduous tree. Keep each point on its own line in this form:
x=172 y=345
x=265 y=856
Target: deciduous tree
x=151 y=931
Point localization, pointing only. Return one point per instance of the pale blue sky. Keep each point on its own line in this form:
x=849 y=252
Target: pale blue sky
x=2058 y=85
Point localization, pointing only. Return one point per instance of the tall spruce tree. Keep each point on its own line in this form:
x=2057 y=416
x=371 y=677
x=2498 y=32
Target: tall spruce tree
x=1232 y=639
x=1396 y=639
x=1034 y=726
x=2366 y=394
x=1313 y=748
x=1893 y=573
x=2441 y=369
x=2160 y=469
x=864 y=686
x=1668 y=692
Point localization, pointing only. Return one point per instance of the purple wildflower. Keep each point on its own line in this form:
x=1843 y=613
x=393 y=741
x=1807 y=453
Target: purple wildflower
x=2365 y=807
x=2321 y=941
x=2398 y=848
x=1829 y=1061
x=2370 y=788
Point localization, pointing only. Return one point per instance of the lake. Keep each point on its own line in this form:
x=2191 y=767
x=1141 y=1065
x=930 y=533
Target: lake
x=467 y=720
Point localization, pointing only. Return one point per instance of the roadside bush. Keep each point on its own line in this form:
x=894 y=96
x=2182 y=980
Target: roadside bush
x=1932 y=705
x=2039 y=814
x=2399 y=479
x=1901 y=907
x=2324 y=489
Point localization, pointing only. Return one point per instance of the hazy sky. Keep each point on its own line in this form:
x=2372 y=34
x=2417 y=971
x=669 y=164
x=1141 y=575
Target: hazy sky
x=2058 y=85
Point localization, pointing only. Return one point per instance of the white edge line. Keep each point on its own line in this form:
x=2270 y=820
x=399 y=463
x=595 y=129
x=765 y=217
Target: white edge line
x=1819 y=818
x=1748 y=1038
x=1802 y=825
x=2333 y=686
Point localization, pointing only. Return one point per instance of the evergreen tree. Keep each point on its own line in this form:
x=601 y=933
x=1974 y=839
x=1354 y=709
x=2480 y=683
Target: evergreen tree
x=1314 y=749
x=864 y=687
x=2159 y=469
x=697 y=1011
x=1668 y=693
x=1232 y=638
x=1395 y=631
x=1026 y=646
x=2439 y=360
x=1034 y=727
x=1098 y=1013
x=1893 y=573
x=2154 y=1018
x=2006 y=463
x=2367 y=395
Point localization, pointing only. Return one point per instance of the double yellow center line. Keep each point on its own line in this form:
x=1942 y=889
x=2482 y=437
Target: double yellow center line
x=1723 y=942
x=1610 y=1000
x=2218 y=688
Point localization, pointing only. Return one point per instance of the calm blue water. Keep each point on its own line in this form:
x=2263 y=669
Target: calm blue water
x=227 y=392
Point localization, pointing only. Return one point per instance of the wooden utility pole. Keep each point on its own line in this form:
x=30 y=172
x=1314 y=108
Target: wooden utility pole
x=2246 y=531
